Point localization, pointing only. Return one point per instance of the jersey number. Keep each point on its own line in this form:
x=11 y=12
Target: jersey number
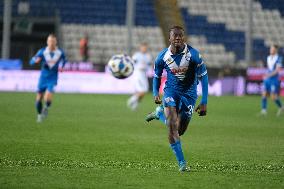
x=190 y=109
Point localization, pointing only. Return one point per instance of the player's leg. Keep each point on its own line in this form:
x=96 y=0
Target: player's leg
x=275 y=97
x=185 y=113
x=132 y=102
x=173 y=136
x=264 y=96
x=135 y=99
x=47 y=100
x=183 y=122
x=275 y=89
x=172 y=122
x=39 y=98
x=141 y=88
x=157 y=114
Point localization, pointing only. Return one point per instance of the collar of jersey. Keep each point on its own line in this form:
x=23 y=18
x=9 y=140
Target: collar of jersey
x=183 y=52
x=49 y=51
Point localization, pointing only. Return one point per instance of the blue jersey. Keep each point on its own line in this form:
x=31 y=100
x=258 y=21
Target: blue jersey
x=273 y=62
x=272 y=83
x=50 y=62
x=183 y=71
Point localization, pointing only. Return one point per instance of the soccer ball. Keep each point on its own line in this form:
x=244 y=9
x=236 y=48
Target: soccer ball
x=121 y=66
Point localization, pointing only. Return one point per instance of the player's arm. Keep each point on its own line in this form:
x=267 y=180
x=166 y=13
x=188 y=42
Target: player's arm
x=62 y=62
x=158 y=70
x=36 y=59
x=203 y=77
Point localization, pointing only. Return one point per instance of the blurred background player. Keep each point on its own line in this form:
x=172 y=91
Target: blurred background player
x=142 y=63
x=184 y=67
x=271 y=81
x=84 y=48
x=52 y=60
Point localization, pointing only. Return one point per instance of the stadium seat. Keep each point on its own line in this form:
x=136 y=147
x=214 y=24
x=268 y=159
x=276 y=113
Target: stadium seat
x=232 y=14
x=214 y=26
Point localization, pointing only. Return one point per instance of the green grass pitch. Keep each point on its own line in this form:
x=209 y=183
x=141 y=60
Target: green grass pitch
x=94 y=141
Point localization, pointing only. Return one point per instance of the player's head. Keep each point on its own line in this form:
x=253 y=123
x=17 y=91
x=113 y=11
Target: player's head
x=51 y=41
x=273 y=49
x=176 y=36
x=143 y=47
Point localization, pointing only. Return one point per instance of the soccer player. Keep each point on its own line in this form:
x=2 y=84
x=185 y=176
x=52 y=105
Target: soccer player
x=271 y=81
x=184 y=66
x=142 y=63
x=52 y=60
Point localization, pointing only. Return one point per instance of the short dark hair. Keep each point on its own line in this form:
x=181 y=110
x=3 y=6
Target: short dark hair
x=175 y=27
x=275 y=46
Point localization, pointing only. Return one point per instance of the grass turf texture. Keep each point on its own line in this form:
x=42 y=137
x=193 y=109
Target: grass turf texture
x=94 y=141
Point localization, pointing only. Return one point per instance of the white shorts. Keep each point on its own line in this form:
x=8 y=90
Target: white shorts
x=140 y=82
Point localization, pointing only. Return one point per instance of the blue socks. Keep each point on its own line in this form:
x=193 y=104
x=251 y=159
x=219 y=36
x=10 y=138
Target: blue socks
x=278 y=103
x=38 y=106
x=264 y=103
x=176 y=147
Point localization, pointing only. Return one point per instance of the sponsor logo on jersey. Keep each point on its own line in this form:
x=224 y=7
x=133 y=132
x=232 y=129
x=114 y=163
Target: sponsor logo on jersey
x=179 y=70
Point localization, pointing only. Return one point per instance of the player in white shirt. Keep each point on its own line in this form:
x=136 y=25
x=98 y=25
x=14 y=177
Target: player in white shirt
x=142 y=63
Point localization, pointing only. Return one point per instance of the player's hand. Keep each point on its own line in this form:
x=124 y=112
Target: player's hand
x=60 y=69
x=37 y=60
x=157 y=100
x=201 y=109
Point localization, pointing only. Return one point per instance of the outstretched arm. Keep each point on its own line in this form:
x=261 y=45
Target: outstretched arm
x=62 y=62
x=156 y=87
x=203 y=77
x=202 y=107
x=158 y=70
x=204 y=84
x=36 y=59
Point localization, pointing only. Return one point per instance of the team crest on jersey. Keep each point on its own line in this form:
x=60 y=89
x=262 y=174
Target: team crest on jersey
x=188 y=56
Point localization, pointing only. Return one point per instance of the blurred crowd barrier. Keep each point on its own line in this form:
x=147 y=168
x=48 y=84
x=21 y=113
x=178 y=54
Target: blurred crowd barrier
x=84 y=78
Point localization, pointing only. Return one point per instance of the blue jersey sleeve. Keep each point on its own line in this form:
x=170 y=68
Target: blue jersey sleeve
x=203 y=77
x=39 y=54
x=279 y=62
x=63 y=60
x=158 y=71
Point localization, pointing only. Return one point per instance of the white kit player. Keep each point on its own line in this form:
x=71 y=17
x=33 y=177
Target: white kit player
x=142 y=63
